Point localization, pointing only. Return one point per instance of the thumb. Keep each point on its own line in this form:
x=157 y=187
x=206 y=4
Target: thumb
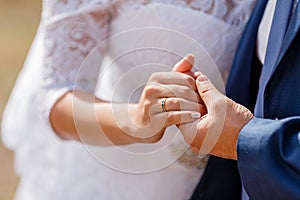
x=185 y=64
x=207 y=91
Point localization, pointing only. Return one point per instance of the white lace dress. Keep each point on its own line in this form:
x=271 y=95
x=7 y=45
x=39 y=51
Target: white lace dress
x=110 y=48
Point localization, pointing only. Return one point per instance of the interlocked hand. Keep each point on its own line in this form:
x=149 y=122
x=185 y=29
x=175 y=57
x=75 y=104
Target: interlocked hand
x=217 y=131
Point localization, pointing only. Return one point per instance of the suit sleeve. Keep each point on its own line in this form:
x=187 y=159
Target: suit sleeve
x=269 y=158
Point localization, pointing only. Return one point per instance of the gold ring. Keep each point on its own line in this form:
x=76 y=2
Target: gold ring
x=163 y=104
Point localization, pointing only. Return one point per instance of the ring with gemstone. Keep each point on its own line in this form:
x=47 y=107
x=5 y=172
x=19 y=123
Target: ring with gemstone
x=163 y=104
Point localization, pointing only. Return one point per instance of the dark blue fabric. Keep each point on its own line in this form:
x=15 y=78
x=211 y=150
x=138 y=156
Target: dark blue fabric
x=221 y=178
x=245 y=70
x=268 y=149
x=280 y=22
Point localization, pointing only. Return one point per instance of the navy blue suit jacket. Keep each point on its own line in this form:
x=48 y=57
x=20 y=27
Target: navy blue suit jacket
x=269 y=145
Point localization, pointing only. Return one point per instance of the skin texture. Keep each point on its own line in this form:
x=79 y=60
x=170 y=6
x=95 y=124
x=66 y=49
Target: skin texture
x=94 y=121
x=217 y=131
x=80 y=116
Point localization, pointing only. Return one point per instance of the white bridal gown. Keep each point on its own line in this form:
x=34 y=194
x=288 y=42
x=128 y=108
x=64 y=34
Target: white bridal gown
x=130 y=40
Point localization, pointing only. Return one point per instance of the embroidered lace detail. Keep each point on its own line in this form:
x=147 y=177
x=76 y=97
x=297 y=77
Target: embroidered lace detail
x=75 y=27
x=68 y=41
x=188 y=157
x=230 y=11
x=69 y=30
x=57 y=7
x=233 y=12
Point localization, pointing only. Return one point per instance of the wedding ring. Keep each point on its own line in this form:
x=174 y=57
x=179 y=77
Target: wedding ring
x=163 y=104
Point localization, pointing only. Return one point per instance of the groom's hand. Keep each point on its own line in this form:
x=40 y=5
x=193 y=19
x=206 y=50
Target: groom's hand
x=185 y=66
x=217 y=131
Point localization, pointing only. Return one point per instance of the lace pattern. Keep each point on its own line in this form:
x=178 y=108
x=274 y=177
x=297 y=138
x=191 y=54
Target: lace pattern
x=70 y=38
x=75 y=27
x=68 y=41
x=59 y=7
x=188 y=157
x=69 y=30
x=234 y=12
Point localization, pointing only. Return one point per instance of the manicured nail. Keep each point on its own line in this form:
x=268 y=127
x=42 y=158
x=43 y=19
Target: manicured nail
x=197 y=74
x=196 y=115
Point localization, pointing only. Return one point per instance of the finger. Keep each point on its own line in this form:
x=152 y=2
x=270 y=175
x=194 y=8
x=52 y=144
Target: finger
x=185 y=64
x=179 y=91
x=190 y=73
x=207 y=91
x=194 y=149
x=173 y=78
x=177 y=104
x=154 y=91
x=192 y=135
x=196 y=74
x=178 y=117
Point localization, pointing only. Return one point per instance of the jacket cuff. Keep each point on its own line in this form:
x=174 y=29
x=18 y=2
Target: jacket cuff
x=251 y=150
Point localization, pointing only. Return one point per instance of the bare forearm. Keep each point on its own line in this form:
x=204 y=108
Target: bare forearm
x=78 y=117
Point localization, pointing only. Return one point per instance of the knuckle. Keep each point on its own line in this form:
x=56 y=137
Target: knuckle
x=147 y=104
x=206 y=88
x=151 y=89
x=199 y=127
x=171 y=118
x=175 y=102
x=155 y=76
x=186 y=90
x=230 y=102
x=190 y=80
x=202 y=78
x=219 y=104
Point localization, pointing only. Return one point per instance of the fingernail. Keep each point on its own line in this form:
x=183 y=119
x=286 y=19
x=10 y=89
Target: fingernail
x=201 y=78
x=196 y=115
x=197 y=74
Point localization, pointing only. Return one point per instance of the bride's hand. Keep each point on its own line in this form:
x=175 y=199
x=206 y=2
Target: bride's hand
x=119 y=123
x=185 y=65
x=181 y=103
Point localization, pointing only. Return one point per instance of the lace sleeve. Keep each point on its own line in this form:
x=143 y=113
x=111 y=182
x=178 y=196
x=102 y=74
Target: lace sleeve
x=70 y=37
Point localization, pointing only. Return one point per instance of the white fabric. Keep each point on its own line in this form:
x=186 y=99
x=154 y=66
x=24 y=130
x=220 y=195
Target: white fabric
x=53 y=169
x=264 y=30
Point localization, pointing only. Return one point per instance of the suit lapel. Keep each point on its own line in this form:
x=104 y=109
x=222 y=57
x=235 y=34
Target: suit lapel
x=268 y=70
x=245 y=69
x=291 y=32
x=219 y=170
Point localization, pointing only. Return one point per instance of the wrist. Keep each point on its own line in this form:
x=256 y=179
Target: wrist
x=135 y=128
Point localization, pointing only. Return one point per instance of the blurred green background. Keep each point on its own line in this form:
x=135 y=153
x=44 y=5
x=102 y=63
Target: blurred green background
x=18 y=23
